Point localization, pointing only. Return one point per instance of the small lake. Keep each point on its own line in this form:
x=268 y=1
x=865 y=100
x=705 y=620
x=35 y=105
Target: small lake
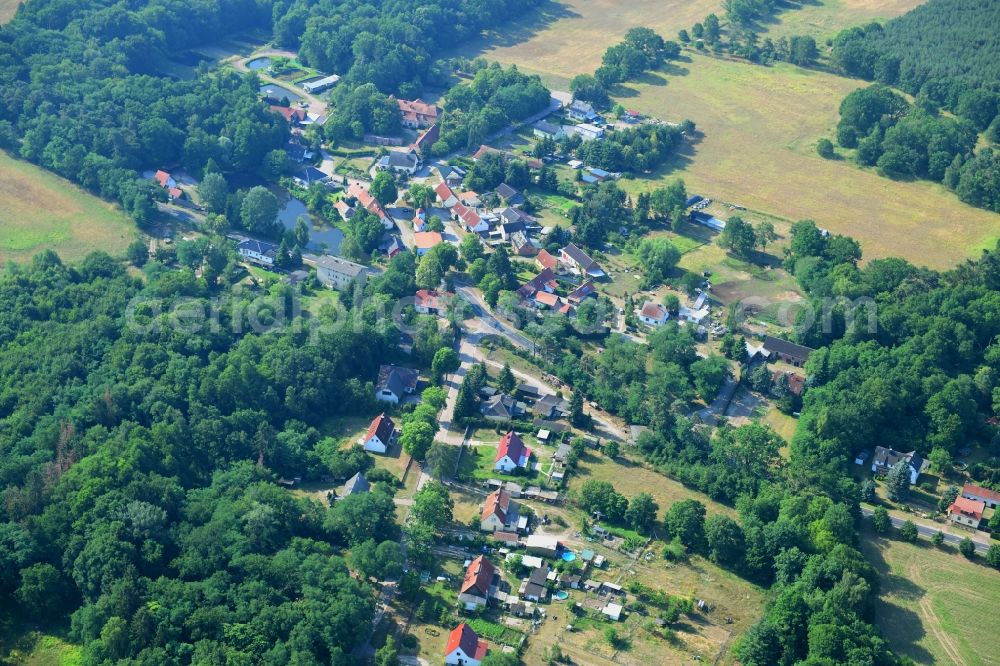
x=326 y=238
x=258 y=63
x=277 y=92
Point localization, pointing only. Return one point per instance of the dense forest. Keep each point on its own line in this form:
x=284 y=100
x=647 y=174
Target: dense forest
x=944 y=54
x=138 y=462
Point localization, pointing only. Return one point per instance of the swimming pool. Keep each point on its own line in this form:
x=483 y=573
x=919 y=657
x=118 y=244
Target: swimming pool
x=569 y=556
x=560 y=595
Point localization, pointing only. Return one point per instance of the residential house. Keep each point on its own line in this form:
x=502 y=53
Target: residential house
x=653 y=314
x=509 y=194
x=990 y=498
x=420 y=220
x=425 y=240
x=470 y=198
x=544 y=299
x=581 y=293
x=572 y=581
x=356 y=484
x=502 y=407
x=359 y=191
x=320 y=85
x=464 y=647
x=511 y=215
x=580 y=110
x=695 y=316
x=789 y=352
x=395 y=383
x=292 y=116
x=550 y=407
x=522 y=245
x=399 y=161
x=445 y=194
x=533 y=588
x=545 y=130
x=175 y=193
x=452 y=175
x=469 y=218
x=965 y=512
x=508 y=229
x=417 y=114
x=599 y=174
x=427 y=139
x=796 y=383
x=886 y=458
x=580 y=261
x=380 y=434
x=540 y=544
x=430 y=301
x=164 y=180
x=475 y=590
x=483 y=150
x=497 y=512
x=588 y=132
x=345 y=210
x=258 y=252
x=307 y=174
x=613 y=611
x=544 y=281
x=511 y=453
x=390 y=245
x=544 y=260
x=338 y=273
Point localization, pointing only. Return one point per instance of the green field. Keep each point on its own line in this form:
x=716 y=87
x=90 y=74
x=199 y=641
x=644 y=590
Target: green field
x=935 y=605
x=825 y=19
x=43 y=211
x=758 y=130
x=38 y=649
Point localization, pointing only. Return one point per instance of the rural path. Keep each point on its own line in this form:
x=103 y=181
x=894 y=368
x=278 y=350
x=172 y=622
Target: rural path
x=927 y=530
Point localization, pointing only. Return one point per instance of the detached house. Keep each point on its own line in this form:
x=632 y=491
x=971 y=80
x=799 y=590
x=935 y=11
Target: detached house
x=509 y=194
x=502 y=407
x=360 y=192
x=417 y=114
x=445 y=194
x=380 y=435
x=511 y=453
x=395 y=383
x=582 y=111
x=425 y=240
x=338 y=273
x=966 y=512
x=580 y=261
x=498 y=512
x=545 y=130
x=990 y=498
x=464 y=647
x=399 y=161
x=653 y=314
x=885 y=459
x=258 y=252
x=789 y=352
x=475 y=590
x=429 y=301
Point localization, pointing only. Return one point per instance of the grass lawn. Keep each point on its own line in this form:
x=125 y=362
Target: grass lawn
x=825 y=19
x=934 y=602
x=759 y=127
x=38 y=649
x=43 y=211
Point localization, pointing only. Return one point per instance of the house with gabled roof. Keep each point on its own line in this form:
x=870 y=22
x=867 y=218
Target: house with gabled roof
x=511 y=453
x=425 y=240
x=544 y=281
x=484 y=150
x=580 y=261
x=545 y=260
x=380 y=435
x=886 y=458
x=546 y=130
x=395 y=383
x=990 y=498
x=427 y=139
x=464 y=647
x=257 y=251
x=445 y=194
x=581 y=293
x=789 y=352
x=164 y=179
x=965 y=512
x=580 y=110
x=509 y=194
x=475 y=590
x=399 y=161
x=497 y=512
x=430 y=301
x=359 y=191
x=502 y=407
x=653 y=314
x=292 y=116
x=417 y=113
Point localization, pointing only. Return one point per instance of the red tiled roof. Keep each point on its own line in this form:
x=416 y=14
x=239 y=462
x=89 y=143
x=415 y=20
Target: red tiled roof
x=358 y=191
x=417 y=110
x=464 y=637
x=429 y=298
x=546 y=260
x=581 y=292
x=496 y=504
x=566 y=308
x=428 y=138
x=979 y=491
x=796 y=383
x=289 y=114
x=545 y=298
x=469 y=217
x=478 y=576
x=443 y=191
x=653 y=310
x=425 y=240
x=162 y=177
x=175 y=192
x=382 y=426
x=483 y=149
x=512 y=445
x=968 y=507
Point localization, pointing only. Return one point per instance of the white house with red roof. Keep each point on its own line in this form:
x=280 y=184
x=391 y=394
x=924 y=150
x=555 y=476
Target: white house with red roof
x=653 y=314
x=380 y=434
x=464 y=647
x=475 y=590
x=469 y=218
x=430 y=301
x=291 y=116
x=164 y=180
x=445 y=195
x=965 y=512
x=417 y=113
x=425 y=240
x=359 y=191
x=511 y=453
x=496 y=512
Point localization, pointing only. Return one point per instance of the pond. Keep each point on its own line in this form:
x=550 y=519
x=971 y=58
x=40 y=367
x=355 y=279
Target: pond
x=258 y=63
x=325 y=239
x=277 y=92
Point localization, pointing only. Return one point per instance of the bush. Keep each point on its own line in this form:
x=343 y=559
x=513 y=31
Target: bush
x=908 y=532
x=967 y=548
x=825 y=148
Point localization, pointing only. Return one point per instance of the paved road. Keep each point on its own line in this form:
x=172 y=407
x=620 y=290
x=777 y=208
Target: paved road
x=928 y=531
